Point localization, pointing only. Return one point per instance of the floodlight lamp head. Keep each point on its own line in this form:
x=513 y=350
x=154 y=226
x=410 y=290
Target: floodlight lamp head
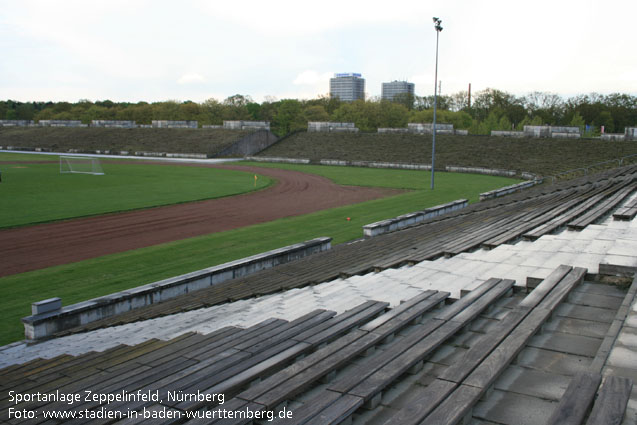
x=437 y=22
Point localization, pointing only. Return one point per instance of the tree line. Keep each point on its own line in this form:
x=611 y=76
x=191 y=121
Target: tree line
x=486 y=110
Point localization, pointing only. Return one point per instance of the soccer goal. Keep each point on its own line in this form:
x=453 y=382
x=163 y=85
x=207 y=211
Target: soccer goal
x=81 y=164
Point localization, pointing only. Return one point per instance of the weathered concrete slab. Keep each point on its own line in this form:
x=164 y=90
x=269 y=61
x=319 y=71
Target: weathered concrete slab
x=595 y=314
x=533 y=383
x=509 y=408
x=577 y=327
x=622 y=357
x=606 y=290
x=570 y=344
x=595 y=300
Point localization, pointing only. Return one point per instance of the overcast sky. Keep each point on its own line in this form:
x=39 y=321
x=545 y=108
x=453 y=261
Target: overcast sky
x=138 y=50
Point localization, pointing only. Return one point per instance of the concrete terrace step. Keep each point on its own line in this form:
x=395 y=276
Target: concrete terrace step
x=612 y=242
x=228 y=359
x=453 y=234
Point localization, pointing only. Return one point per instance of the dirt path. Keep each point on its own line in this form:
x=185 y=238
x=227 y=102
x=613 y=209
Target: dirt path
x=35 y=247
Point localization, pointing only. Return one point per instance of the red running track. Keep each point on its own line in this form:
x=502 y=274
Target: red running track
x=45 y=245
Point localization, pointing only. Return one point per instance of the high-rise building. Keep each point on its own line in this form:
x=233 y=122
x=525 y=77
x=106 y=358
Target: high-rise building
x=391 y=90
x=348 y=86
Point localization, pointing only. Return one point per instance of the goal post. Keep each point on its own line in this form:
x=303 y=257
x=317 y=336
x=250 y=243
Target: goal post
x=81 y=165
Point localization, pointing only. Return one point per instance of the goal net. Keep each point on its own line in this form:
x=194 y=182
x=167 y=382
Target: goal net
x=80 y=164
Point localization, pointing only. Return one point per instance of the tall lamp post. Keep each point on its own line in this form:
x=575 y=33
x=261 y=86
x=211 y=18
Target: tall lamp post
x=438 y=28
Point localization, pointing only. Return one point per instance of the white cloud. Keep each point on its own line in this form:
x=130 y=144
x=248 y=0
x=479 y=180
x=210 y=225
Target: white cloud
x=311 y=77
x=151 y=50
x=287 y=17
x=191 y=78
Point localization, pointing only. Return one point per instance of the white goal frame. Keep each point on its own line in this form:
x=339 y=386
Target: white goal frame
x=81 y=165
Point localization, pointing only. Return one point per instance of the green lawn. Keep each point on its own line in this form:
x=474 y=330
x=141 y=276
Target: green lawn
x=446 y=184
x=37 y=192
x=91 y=278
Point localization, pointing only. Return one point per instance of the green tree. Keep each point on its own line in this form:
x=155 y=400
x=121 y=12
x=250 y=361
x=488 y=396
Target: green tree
x=212 y=112
x=405 y=99
x=316 y=113
x=392 y=115
x=25 y=111
x=578 y=121
x=605 y=119
x=236 y=108
x=289 y=117
x=254 y=109
x=459 y=119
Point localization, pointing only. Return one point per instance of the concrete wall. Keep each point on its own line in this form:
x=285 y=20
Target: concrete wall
x=537 y=131
x=371 y=164
x=61 y=123
x=551 y=131
x=620 y=137
x=174 y=124
x=251 y=144
x=565 y=135
x=15 y=123
x=47 y=321
x=564 y=129
x=498 y=133
x=153 y=154
x=113 y=124
x=187 y=155
x=246 y=125
x=278 y=160
x=406 y=220
x=630 y=133
x=427 y=128
x=480 y=170
x=328 y=127
x=508 y=189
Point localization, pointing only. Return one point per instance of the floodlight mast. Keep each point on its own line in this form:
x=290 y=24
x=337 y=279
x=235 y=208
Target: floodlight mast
x=438 y=28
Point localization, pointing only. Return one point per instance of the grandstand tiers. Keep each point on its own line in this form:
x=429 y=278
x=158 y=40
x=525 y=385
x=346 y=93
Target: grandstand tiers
x=514 y=310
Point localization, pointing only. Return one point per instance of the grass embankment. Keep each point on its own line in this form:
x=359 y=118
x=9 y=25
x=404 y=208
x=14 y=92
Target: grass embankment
x=36 y=192
x=541 y=156
x=92 y=278
x=172 y=140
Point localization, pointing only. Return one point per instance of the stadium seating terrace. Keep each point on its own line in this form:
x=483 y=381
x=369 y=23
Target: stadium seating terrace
x=501 y=312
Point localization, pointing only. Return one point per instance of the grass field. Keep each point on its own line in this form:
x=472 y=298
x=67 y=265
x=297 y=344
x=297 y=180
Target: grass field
x=36 y=192
x=91 y=278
